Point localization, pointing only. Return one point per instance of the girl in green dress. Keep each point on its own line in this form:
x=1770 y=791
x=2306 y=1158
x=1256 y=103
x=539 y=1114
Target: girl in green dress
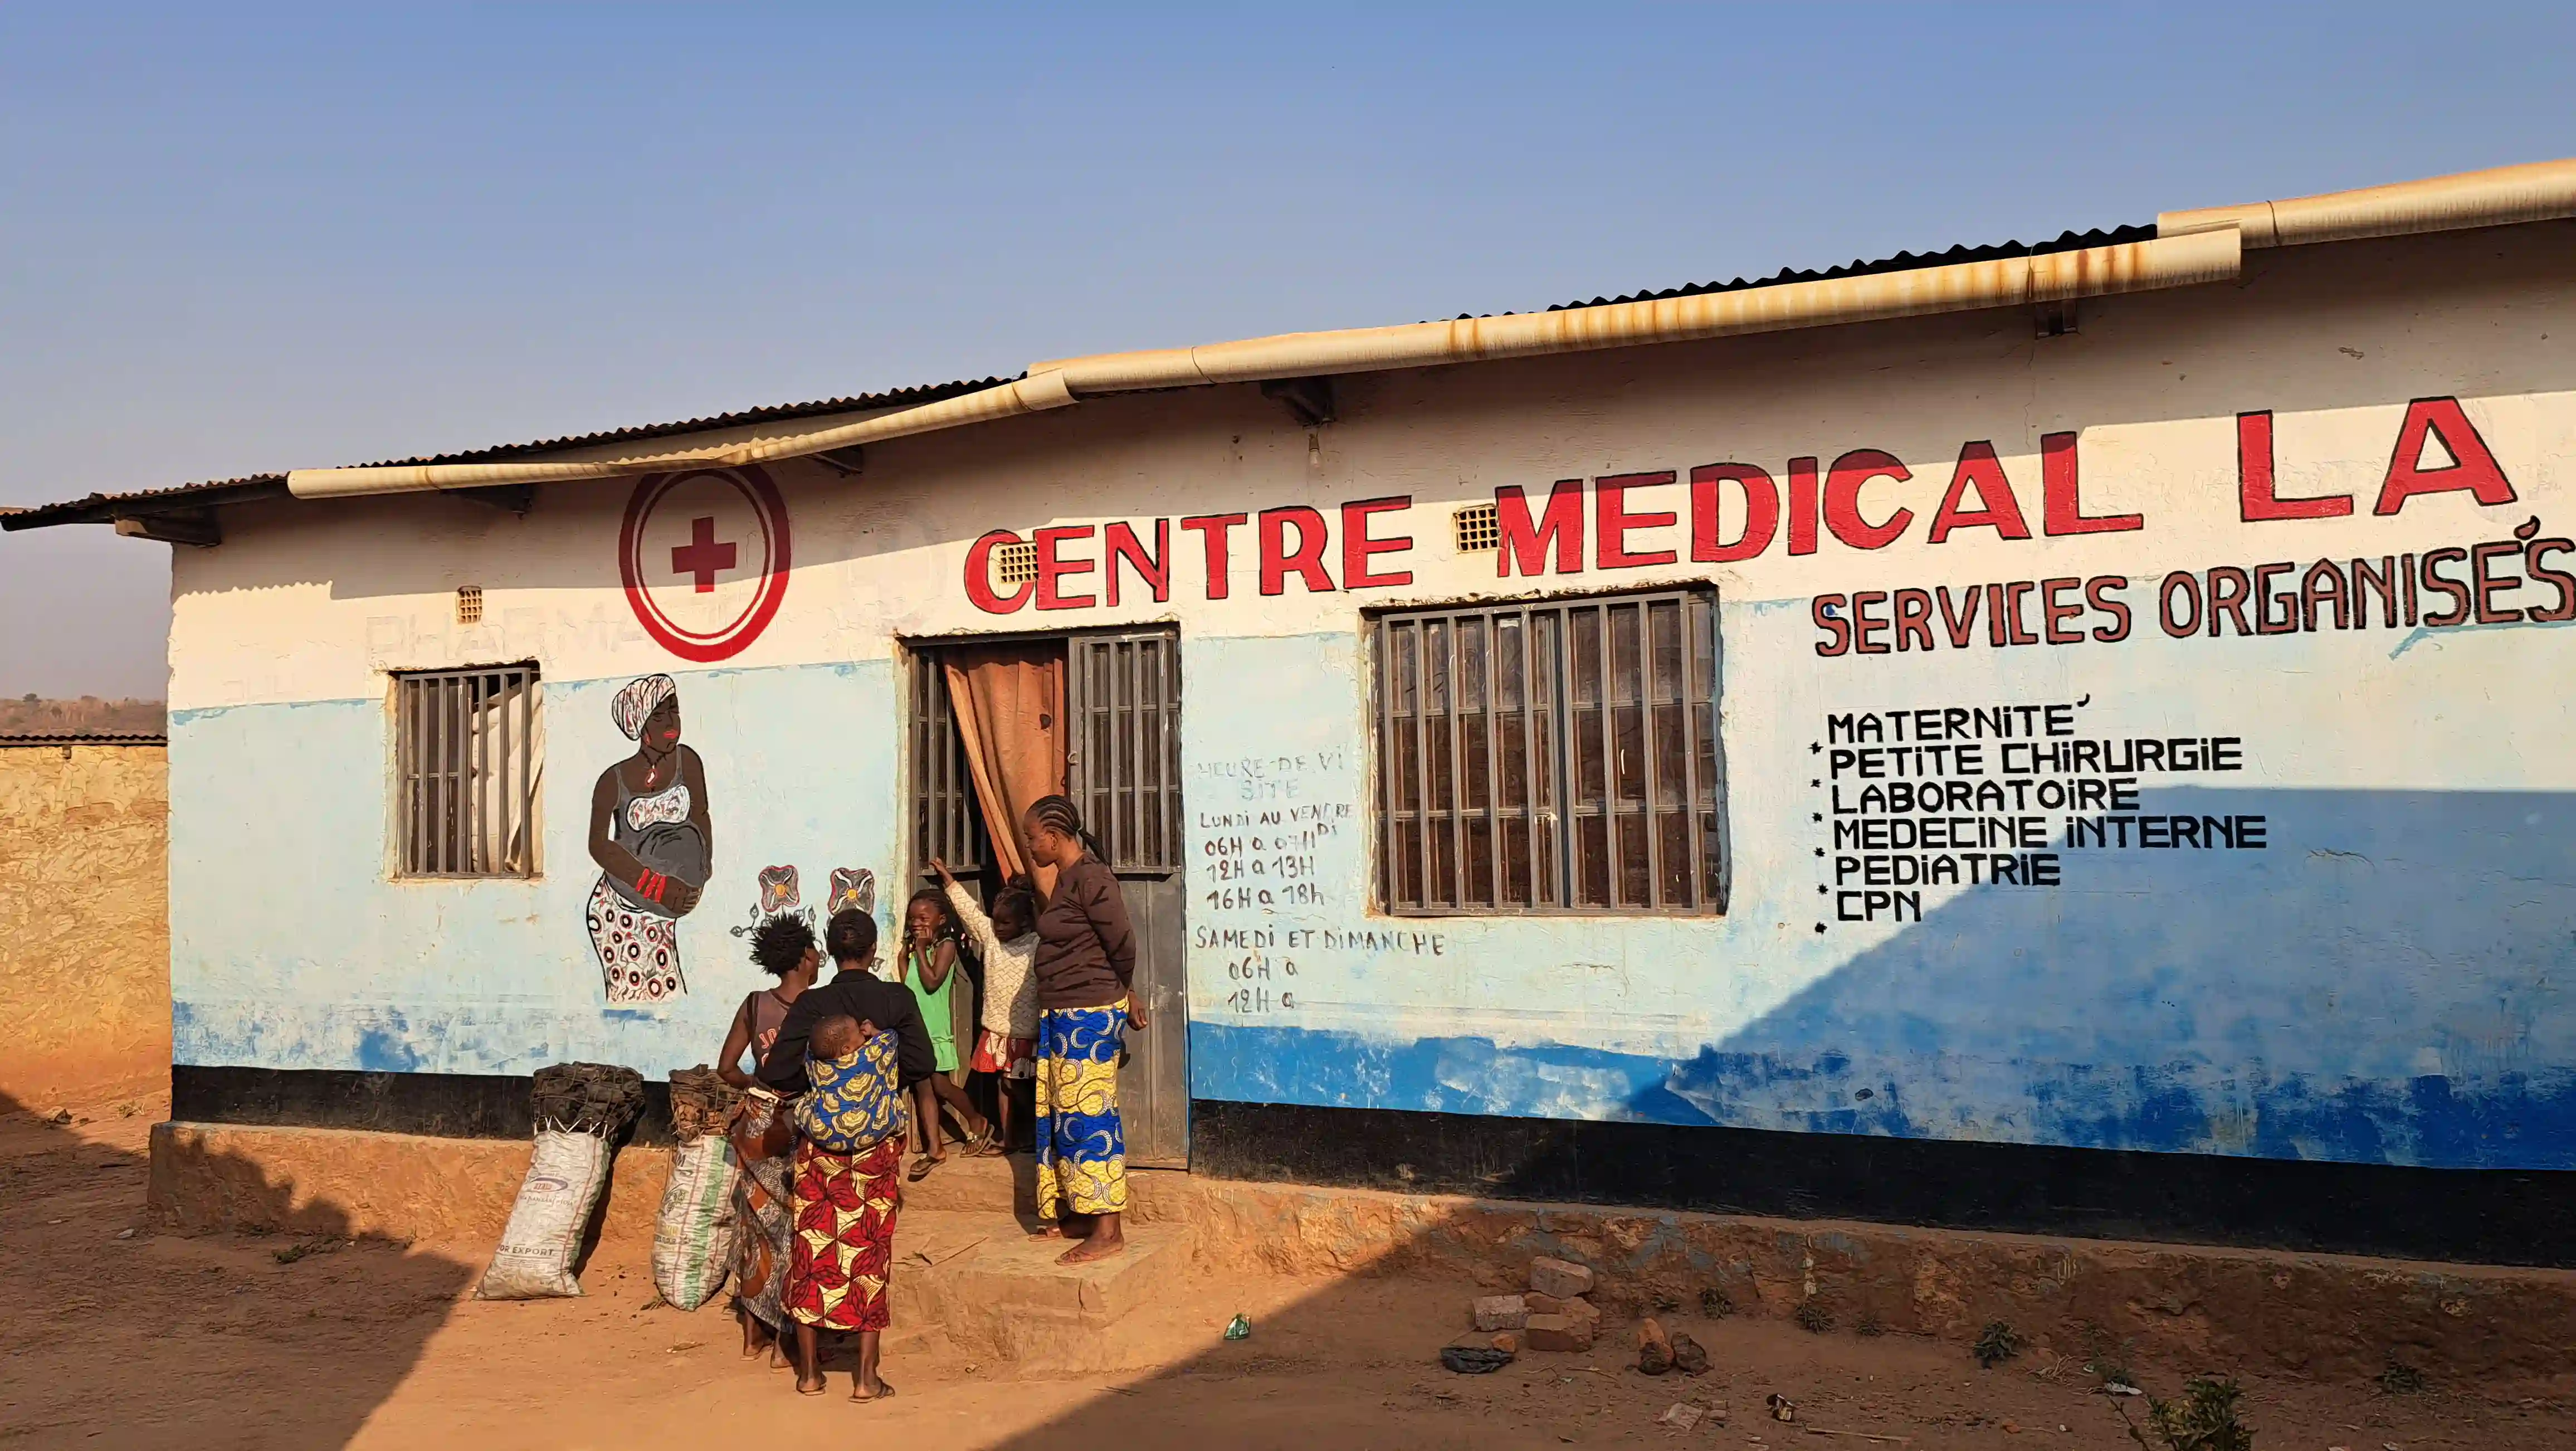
x=928 y=965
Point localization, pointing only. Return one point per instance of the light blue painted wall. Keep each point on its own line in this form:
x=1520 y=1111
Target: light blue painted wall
x=290 y=948
x=2383 y=984
x=2386 y=982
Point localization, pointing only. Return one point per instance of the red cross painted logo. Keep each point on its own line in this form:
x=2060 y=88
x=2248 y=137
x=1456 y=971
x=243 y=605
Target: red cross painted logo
x=704 y=557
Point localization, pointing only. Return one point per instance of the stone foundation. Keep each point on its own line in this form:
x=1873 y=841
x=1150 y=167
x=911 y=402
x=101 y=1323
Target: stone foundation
x=2327 y=1316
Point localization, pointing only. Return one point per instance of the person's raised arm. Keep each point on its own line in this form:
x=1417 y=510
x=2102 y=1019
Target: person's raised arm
x=969 y=914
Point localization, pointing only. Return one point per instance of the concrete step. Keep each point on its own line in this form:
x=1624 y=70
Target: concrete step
x=1000 y=1186
x=998 y=1293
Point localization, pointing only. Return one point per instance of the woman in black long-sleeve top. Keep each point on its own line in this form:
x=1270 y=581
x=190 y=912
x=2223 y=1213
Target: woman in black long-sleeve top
x=1085 y=969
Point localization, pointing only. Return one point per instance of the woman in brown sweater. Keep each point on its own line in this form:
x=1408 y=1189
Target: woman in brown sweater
x=1085 y=970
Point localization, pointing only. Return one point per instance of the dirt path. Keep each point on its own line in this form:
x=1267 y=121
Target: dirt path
x=146 y=1340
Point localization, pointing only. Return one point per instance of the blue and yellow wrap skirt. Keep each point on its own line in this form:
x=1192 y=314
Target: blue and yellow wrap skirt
x=1082 y=1151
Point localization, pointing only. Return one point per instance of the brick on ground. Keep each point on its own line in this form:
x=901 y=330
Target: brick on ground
x=1559 y=1278
x=1539 y=1304
x=1558 y=1332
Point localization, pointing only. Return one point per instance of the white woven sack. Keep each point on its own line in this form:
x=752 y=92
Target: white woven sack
x=543 y=1238
x=694 y=1234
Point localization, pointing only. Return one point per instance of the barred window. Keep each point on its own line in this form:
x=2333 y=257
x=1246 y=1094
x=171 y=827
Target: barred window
x=467 y=759
x=1551 y=757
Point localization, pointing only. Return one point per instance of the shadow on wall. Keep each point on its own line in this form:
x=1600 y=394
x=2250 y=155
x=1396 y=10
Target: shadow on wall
x=2354 y=1039
x=2396 y=998
x=159 y=1340
x=2386 y=982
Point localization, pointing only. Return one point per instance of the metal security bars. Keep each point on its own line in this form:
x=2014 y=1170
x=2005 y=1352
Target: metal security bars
x=947 y=822
x=1123 y=694
x=1556 y=757
x=466 y=764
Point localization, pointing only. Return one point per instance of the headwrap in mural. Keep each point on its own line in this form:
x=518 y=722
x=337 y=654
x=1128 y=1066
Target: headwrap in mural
x=637 y=700
x=655 y=847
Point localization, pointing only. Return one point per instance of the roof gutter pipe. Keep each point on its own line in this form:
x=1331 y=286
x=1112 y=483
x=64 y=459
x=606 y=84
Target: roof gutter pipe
x=2191 y=247
x=2211 y=255
x=2541 y=191
x=1031 y=394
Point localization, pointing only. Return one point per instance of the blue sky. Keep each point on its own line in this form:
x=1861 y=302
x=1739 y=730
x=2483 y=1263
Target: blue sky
x=238 y=240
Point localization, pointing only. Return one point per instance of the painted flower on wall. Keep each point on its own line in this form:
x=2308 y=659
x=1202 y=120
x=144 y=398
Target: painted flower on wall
x=853 y=887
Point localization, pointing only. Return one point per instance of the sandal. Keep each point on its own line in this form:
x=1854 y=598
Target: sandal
x=922 y=1166
x=981 y=1146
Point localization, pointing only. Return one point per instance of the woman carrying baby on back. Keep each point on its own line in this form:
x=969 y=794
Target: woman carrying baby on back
x=850 y=1127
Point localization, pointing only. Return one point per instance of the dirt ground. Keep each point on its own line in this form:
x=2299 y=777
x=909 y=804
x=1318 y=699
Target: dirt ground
x=120 y=1336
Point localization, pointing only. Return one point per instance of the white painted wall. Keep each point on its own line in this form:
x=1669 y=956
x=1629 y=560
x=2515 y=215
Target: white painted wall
x=2375 y=984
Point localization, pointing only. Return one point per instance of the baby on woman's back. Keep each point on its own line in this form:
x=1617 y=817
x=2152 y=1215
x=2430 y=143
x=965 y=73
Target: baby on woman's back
x=854 y=1103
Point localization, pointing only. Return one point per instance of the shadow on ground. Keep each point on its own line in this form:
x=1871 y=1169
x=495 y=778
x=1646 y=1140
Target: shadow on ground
x=118 y=1335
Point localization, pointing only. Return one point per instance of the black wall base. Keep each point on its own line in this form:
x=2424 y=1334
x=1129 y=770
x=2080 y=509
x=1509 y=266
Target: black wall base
x=2488 y=1216
x=441 y=1105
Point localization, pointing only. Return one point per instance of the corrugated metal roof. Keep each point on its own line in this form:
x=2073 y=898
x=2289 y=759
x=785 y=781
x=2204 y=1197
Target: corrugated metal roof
x=103 y=507
x=896 y=398
x=85 y=738
x=1901 y=262
x=99 y=508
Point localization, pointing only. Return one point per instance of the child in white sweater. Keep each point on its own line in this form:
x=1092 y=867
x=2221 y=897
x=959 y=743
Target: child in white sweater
x=1007 y=944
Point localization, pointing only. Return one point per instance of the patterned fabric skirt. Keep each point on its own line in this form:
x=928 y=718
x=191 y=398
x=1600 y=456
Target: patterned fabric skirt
x=1013 y=1058
x=1082 y=1151
x=763 y=1207
x=844 y=1242
x=639 y=952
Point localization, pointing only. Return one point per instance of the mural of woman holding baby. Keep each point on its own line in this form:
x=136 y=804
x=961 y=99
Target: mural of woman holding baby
x=650 y=835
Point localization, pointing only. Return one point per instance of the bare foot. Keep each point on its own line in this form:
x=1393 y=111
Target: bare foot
x=1098 y=1247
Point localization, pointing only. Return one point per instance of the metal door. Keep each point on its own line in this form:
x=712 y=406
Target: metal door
x=1123 y=768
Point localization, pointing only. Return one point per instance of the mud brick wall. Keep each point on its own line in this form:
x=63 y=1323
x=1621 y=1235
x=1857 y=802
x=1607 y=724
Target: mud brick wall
x=84 y=917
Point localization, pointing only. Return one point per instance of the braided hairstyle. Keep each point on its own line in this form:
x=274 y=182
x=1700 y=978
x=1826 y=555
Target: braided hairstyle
x=938 y=903
x=1059 y=814
x=1018 y=898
